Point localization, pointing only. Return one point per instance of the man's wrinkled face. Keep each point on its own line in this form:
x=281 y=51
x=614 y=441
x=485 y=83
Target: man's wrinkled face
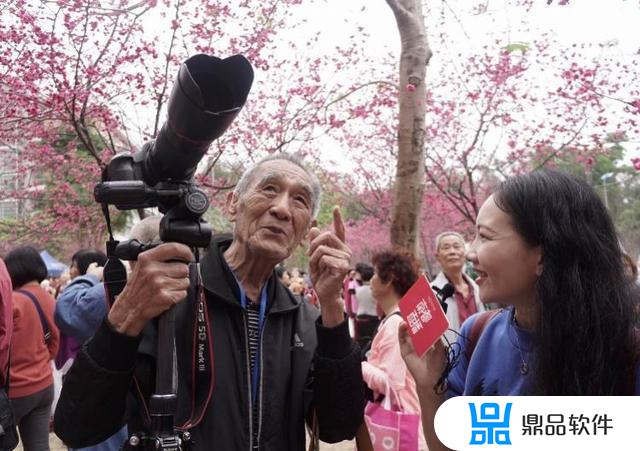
x=274 y=214
x=451 y=253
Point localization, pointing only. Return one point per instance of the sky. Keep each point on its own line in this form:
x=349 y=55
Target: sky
x=613 y=23
x=610 y=22
x=580 y=21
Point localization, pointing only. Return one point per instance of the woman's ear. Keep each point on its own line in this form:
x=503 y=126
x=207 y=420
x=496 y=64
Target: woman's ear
x=388 y=285
x=540 y=264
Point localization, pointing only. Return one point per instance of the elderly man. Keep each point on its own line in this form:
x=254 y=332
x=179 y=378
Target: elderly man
x=465 y=301
x=272 y=362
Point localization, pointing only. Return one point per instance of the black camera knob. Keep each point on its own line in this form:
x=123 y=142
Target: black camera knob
x=196 y=202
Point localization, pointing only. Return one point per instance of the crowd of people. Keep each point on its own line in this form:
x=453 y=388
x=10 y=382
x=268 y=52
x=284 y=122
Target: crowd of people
x=269 y=358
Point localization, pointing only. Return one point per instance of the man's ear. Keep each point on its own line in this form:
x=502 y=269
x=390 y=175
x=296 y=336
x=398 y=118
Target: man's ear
x=231 y=206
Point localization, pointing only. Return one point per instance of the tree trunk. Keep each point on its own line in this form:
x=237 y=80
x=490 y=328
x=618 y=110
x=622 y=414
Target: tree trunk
x=409 y=181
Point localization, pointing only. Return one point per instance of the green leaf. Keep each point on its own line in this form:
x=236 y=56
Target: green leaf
x=517 y=47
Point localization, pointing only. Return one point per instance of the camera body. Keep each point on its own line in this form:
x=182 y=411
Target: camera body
x=207 y=95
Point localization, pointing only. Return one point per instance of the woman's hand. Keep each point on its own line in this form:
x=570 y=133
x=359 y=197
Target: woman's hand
x=95 y=270
x=426 y=370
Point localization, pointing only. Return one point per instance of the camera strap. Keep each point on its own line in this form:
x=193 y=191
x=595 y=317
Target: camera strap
x=202 y=376
x=114 y=273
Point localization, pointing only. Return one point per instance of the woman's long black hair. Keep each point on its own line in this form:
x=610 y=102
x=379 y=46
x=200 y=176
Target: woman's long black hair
x=586 y=328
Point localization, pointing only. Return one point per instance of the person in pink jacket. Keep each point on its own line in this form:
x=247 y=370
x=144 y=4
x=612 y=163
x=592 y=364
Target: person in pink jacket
x=6 y=319
x=395 y=273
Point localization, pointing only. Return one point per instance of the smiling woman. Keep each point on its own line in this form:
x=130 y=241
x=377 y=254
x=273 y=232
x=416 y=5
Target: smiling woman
x=546 y=247
x=514 y=265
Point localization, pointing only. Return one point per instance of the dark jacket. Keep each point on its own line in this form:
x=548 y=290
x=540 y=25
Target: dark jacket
x=305 y=367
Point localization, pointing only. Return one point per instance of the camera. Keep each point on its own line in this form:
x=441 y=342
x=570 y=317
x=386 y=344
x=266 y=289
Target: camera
x=207 y=95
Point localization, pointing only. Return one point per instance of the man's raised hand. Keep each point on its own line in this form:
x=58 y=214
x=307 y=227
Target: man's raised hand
x=330 y=260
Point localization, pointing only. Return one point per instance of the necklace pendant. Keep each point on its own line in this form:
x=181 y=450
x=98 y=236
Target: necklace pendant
x=524 y=368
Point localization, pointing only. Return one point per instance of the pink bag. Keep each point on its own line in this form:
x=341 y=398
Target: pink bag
x=390 y=427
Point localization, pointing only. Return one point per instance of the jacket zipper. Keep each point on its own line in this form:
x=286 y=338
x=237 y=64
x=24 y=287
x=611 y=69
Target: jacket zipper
x=248 y=355
x=264 y=327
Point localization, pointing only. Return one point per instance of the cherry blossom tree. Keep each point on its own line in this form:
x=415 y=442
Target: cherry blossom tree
x=501 y=123
x=94 y=75
x=409 y=182
x=82 y=81
x=490 y=114
x=369 y=233
x=97 y=78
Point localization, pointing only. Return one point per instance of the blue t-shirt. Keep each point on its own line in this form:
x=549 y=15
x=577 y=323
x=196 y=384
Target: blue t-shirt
x=495 y=366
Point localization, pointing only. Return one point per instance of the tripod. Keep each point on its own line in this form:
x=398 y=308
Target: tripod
x=182 y=223
x=162 y=406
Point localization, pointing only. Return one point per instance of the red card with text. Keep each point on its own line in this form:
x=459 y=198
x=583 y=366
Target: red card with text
x=426 y=321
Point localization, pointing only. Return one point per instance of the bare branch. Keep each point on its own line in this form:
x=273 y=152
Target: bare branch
x=163 y=90
x=562 y=147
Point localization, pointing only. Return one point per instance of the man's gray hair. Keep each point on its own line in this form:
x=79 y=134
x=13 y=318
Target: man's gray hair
x=247 y=177
x=444 y=234
x=147 y=230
